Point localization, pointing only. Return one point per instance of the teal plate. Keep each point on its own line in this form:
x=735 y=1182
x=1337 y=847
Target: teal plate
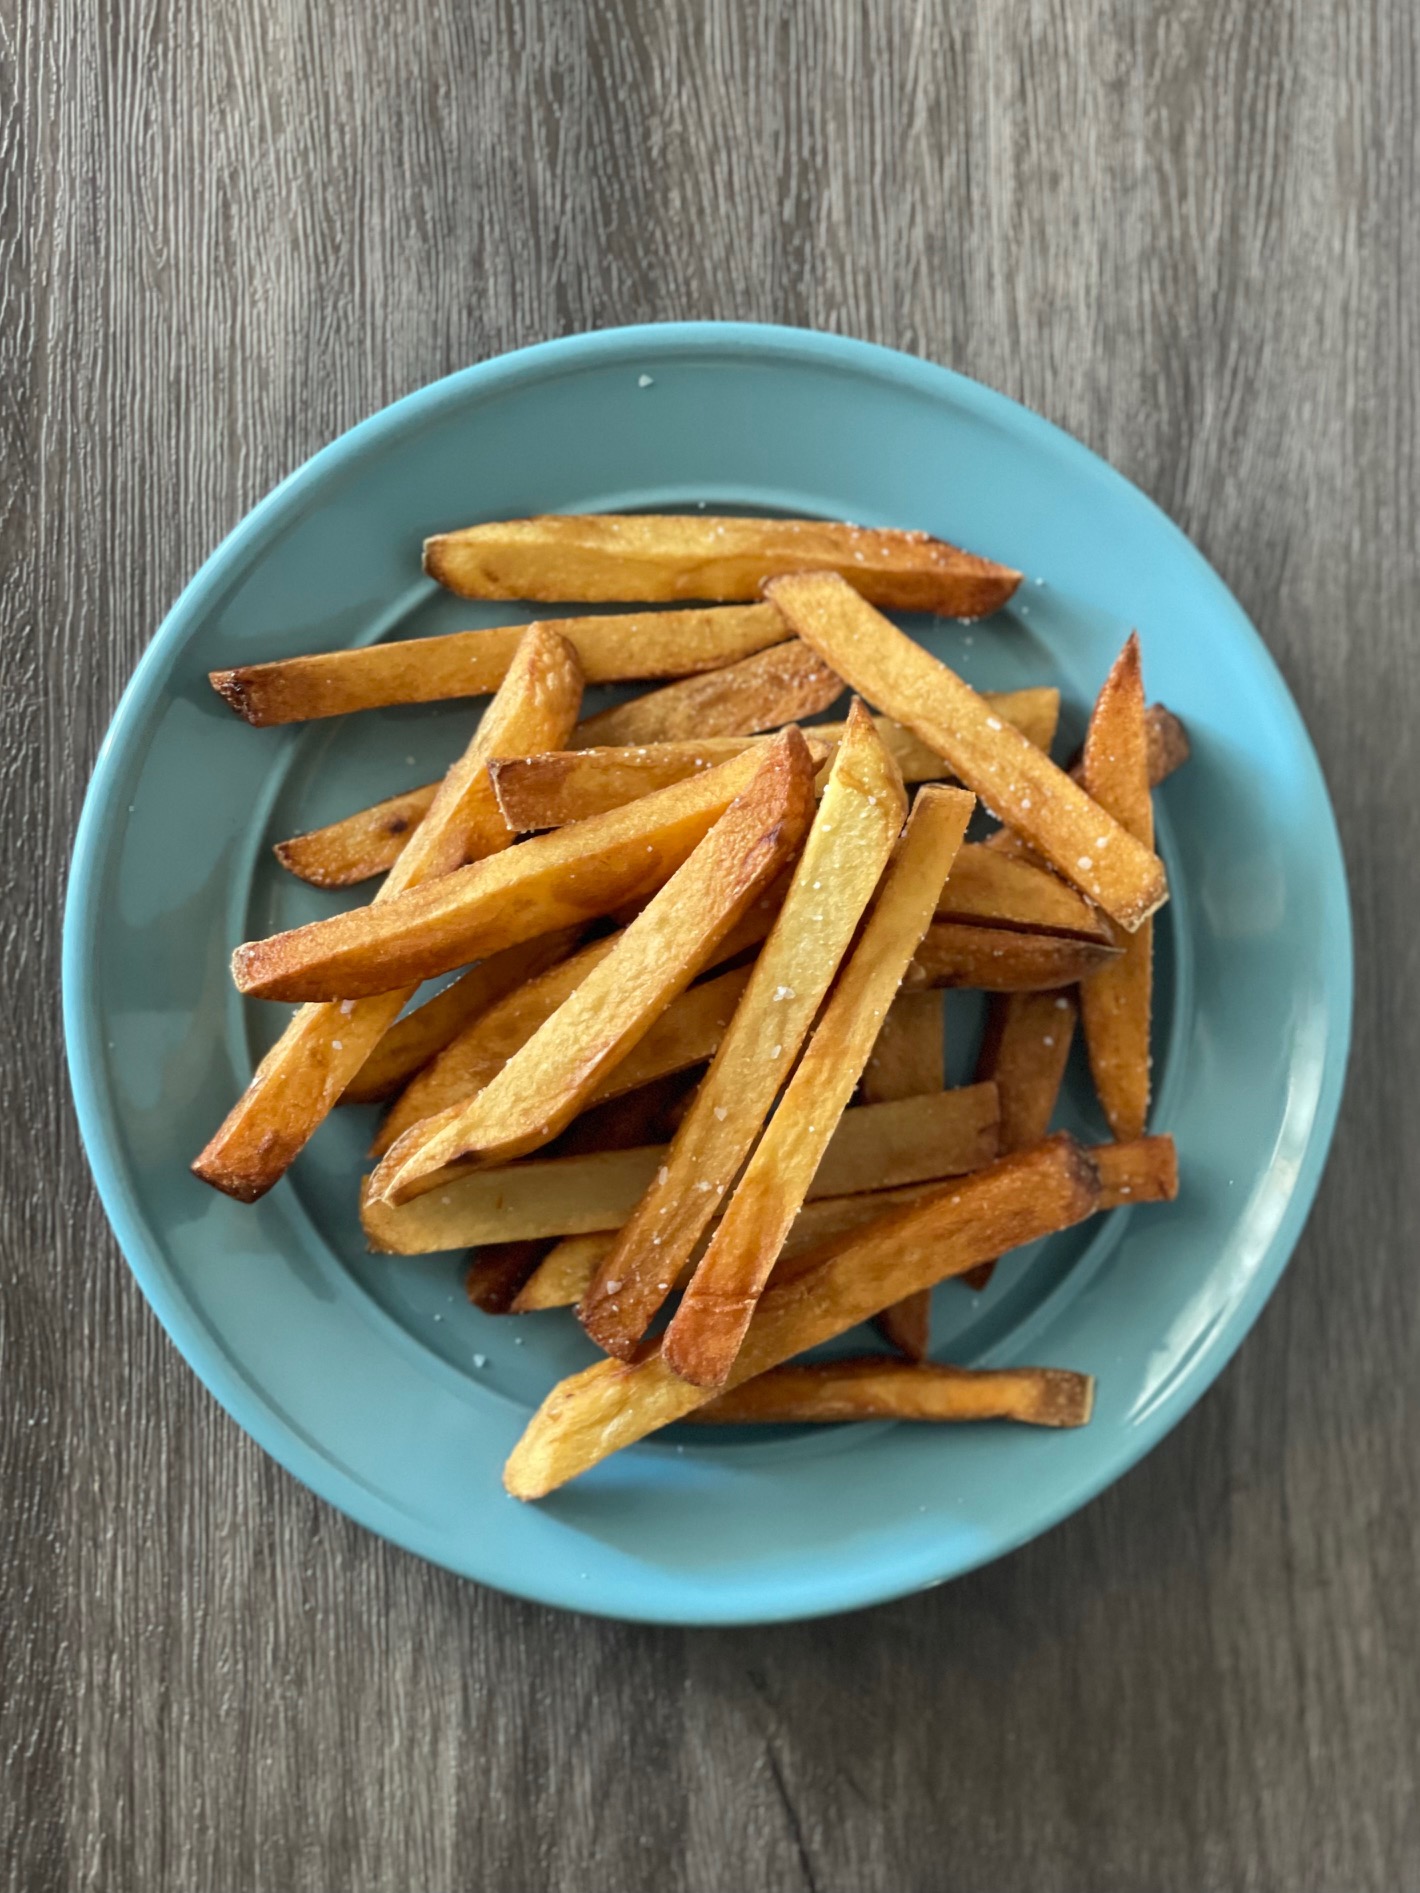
x=371 y=1379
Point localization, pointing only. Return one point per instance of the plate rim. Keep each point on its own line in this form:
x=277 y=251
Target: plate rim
x=856 y=1587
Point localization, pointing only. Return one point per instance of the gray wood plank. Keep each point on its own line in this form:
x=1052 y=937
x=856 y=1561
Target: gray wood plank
x=1188 y=232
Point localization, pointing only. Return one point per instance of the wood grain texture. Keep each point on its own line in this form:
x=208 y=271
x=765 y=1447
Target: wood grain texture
x=1185 y=229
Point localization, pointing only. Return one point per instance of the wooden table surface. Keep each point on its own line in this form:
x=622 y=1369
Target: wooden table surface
x=1187 y=230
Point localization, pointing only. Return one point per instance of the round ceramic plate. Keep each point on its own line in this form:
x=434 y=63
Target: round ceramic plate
x=371 y=1378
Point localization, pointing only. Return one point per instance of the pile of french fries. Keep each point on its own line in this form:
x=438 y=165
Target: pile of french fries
x=693 y=1055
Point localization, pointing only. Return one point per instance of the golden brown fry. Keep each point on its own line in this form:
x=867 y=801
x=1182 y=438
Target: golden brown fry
x=477 y=1053
x=1116 y=1003
x=304 y=1074
x=569 y=785
x=498 y=1271
x=650 y=558
x=910 y=1140
x=610 y=649
x=706 y=1332
x=349 y=851
x=687 y=1033
x=1169 y=749
x=1143 y=1171
x=614 y=1403
x=823 y=1219
x=422 y=1034
x=547 y=1081
x=556 y=880
x=778 y=685
x=1002 y=892
x=476 y=1056
x=1001 y=960
x=551 y=1196
x=908 y=1059
x=1024 y=1050
x=369 y=841
x=1012 y=777
x=1035 y=713
x=560 y=1280
x=918 y=1140
x=683 y=1036
x=852 y=836
x=1023 y=1053
x=872 y=1388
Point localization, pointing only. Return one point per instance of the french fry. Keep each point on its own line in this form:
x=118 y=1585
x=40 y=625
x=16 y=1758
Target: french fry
x=551 y=1196
x=909 y=1140
x=871 y=1388
x=1001 y=960
x=479 y=1052
x=1116 y=1003
x=1166 y=745
x=303 y=1075
x=369 y=841
x=707 y=1329
x=610 y=649
x=562 y=1277
x=908 y=1060
x=687 y=1033
x=1169 y=749
x=1002 y=892
x=422 y=1034
x=1035 y=713
x=569 y=785
x=498 y=1271
x=1143 y=1171
x=655 y=559
x=552 y=881
x=358 y=846
x=560 y=1280
x=918 y=1140
x=1013 y=777
x=544 y=1085
x=824 y=1219
x=1024 y=1050
x=614 y=1403
x=858 y=821
x=775 y=686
